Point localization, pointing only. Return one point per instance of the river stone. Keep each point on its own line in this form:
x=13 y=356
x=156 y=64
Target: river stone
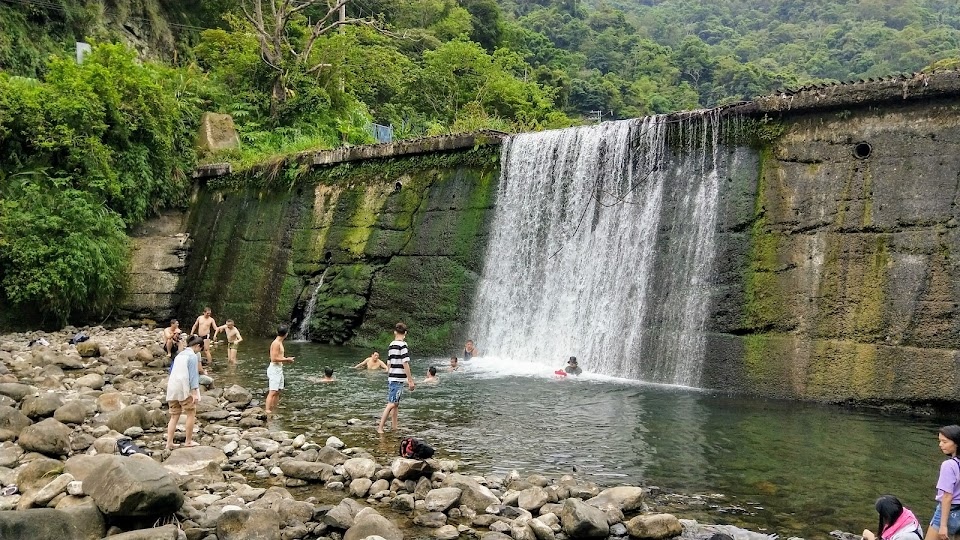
x=71 y=412
x=91 y=380
x=331 y=456
x=307 y=470
x=253 y=524
x=193 y=460
x=249 y=493
x=80 y=466
x=412 y=469
x=492 y=535
x=79 y=522
x=360 y=487
x=369 y=522
x=167 y=532
x=441 y=499
x=38 y=473
x=473 y=495
x=17 y=391
x=340 y=516
x=262 y=444
x=403 y=503
x=533 y=498
x=48 y=437
x=9 y=454
x=447 y=532
x=581 y=520
x=522 y=531
x=541 y=529
x=13 y=419
x=55 y=487
x=294 y=510
x=133 y=486
x=334 y=442
x=88 y=349
x=112 y=402
x=128 y=417
x=623 y=498
x=238 y=395
x=433 y=520
x=360 y=467
x=41 y=406
x=654 y=526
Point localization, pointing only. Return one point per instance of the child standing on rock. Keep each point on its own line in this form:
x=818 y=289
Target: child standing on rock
x=398 y=372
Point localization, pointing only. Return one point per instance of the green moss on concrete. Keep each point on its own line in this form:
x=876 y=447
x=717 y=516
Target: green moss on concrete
x=764 y=297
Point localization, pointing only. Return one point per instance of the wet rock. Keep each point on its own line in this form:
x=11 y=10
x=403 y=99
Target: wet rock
x=370 y=523
x=623 y=498
x=473 y=495
x=48 y=437
x=442 y=499
x=41 y=406
x=432 y=520
x=654 y=526
x=16 y=391
x=128 y=417
x=307 y=470
x=360 y=467
x=581 y=520
x=133 y=486
x=13 y=420
x=258 y=523
x=533 y=498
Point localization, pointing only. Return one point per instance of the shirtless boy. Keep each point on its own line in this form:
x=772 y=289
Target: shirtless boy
x=371 y=362
x=202 y=327
x=275 y=369
x=171 y=338
x=233 y=339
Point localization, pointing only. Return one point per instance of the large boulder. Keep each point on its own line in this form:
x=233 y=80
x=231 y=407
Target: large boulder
x=88 y=349
x=331 y=456
x=237 y=395
x=53 y=488
x=360 y=467
x=217 y=132
x=133 y=486
x=13 y=420
x=128 y=417
x=307 y=470
x=111 y=402
x=17 y=391
x=167 y=532
x=410 y=469
x=581 y=520
x=623 y=498
x=473 y=495
x=369 y=522
x=81 y=465
x=90 y=380
x=79 y=522
x=194 y=460
x=441 y=499
x=71 y=412
x=48 y=437
x=253 y=524
x=10 y=455
x=37 y=473
x=41 y=406
x=654 y=526
x=532 y=498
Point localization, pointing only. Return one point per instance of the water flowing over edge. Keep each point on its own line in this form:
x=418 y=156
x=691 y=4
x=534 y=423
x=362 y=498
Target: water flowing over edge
x=602 y=246
x=303 y=331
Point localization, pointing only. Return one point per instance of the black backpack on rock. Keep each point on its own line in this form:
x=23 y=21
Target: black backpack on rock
x=413 y=448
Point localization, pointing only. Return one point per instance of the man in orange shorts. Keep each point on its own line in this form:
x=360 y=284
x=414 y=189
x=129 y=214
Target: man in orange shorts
x=183 y=390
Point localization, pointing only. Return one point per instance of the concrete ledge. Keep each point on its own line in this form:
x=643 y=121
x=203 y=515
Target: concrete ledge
x=212 y=170
x=442 y=143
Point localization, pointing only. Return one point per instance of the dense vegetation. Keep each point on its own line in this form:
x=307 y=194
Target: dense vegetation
x=89 y=150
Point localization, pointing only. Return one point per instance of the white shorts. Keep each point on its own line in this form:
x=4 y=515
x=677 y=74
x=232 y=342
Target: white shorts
x=275 y=376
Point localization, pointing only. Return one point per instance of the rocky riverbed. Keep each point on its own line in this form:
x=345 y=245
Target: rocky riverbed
x=63 y=408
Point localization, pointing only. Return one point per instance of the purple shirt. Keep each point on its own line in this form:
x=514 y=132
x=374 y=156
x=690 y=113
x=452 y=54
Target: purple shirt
x=949 y=481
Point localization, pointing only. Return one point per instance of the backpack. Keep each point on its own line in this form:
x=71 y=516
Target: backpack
x=127 y=447
x=412 y=448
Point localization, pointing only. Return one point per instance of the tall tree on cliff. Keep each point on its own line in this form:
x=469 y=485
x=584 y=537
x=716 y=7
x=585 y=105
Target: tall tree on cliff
x=288 y=30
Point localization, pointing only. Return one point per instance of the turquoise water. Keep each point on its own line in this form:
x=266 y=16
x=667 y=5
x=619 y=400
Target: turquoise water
x=789 y=468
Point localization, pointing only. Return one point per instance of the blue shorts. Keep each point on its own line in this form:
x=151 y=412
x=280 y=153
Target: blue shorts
x=394 y=391
x=953 y=521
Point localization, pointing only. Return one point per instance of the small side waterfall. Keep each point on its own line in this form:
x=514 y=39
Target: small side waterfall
x=303 y=331
x=602 y=248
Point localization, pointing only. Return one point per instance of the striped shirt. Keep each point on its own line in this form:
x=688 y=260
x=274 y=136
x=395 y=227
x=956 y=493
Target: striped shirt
x=397 y=356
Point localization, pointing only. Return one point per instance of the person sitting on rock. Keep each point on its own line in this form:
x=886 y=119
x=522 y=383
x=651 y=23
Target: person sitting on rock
x=183 y=390
x=896 y=522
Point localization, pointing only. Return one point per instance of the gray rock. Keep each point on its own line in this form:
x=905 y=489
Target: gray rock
x=133 y=486
x=654 y=526
x=541 y=530
x=80 y=522
x=447 y=532
x=360 y=487
x=17 y=391
x=294 y=511
x=424 y=485
x=495 y=536
x=80 y=466
x=10 y=455
x=90 y=380
x=335 y=442
x=360 y=467
x=13 y=419
x=522 y=531
x=404 y=469
x=331 y=456
x=37 y=473
x=581 y=520
x=369 y=523
x=112 y=402
x=403 y=503
x=473 y=495
x=433 y=520
x=55 y=487
x=307 y=470
x=41 y=406
x=533 y=498
x=623 y=498
x=72 y=412
x=48 y=437
x=167 y=532
x=254 y=524
x=128 y=417
x=442 y=499
x=193 y=460
x=339 y=517
x=238 y=395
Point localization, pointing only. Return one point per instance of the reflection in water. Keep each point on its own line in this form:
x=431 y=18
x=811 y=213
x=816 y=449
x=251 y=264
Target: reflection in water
x=794 y=469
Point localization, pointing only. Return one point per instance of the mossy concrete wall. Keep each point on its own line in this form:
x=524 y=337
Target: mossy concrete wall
x=842 y=283
x=394 y=239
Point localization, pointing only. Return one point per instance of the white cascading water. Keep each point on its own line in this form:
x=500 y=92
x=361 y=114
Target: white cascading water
x=303 y=331
x=602 y=247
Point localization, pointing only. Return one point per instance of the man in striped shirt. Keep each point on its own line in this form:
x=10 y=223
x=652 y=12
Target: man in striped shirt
x=398 y=372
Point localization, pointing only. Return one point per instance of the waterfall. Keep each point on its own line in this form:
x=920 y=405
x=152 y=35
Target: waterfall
x=601 y=247
x=303 y=331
